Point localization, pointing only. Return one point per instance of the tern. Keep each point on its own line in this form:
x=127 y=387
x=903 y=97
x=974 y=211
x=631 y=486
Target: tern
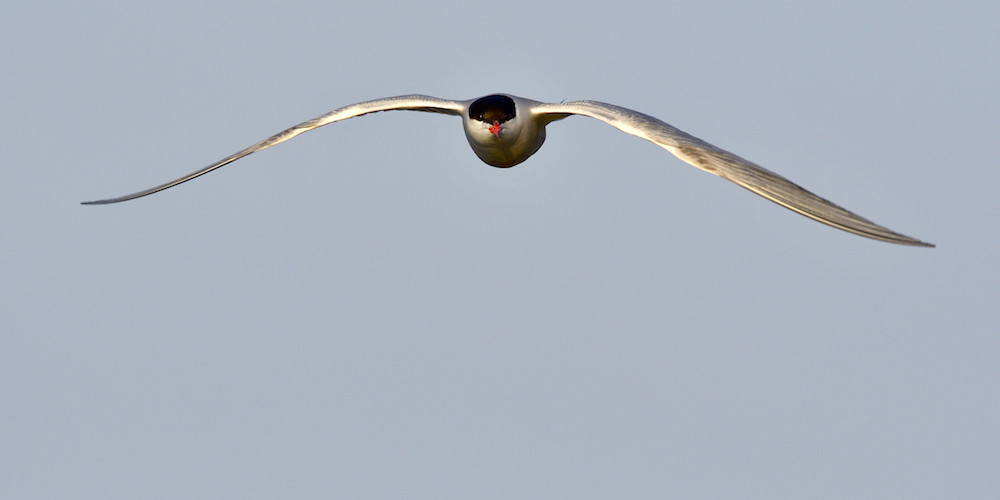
x=504 y=130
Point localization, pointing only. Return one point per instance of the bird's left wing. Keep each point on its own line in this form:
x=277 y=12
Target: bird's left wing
x=720 y=162
x=406 y=102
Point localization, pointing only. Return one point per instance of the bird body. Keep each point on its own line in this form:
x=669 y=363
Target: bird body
x=498 y=134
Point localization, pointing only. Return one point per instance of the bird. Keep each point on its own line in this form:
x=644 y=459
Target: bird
x=505 y=130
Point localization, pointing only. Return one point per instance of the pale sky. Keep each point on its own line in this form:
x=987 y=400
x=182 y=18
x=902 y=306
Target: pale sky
x=369 y=311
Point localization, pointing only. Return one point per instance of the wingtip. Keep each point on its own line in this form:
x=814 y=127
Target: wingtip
x=913 y=242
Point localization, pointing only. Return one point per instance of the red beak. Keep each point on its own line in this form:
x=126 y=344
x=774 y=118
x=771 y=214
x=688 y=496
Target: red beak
x=495 y=129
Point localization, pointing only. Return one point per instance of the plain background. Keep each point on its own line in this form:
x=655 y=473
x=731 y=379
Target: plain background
x=369 y=311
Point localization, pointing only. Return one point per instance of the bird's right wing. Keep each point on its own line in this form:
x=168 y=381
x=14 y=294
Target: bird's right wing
x=406 y=102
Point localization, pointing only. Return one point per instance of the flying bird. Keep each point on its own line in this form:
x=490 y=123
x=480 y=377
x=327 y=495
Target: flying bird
x=505 y=130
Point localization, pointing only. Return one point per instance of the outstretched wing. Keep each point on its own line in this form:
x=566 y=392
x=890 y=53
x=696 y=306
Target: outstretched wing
x=406 y=102
x=726 y=165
